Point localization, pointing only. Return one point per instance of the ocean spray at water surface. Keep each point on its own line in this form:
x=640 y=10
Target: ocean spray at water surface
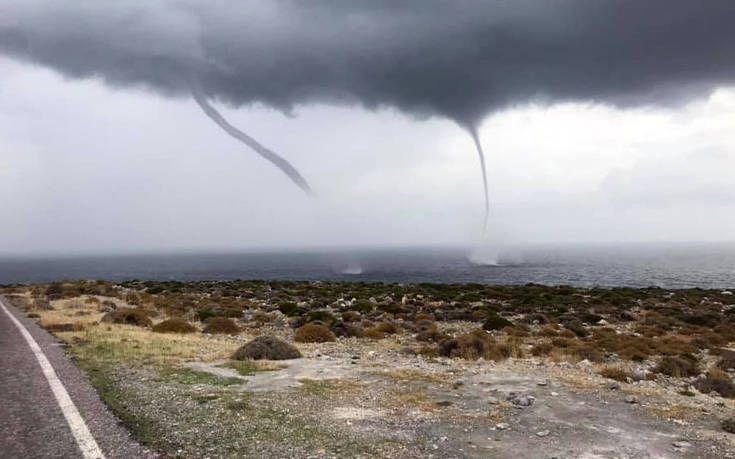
x=629 y=265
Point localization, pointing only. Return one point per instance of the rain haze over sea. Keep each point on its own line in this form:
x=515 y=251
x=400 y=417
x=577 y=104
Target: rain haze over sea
x=710 y=265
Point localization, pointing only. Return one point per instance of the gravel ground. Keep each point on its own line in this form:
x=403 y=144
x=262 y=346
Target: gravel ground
x=358 y=398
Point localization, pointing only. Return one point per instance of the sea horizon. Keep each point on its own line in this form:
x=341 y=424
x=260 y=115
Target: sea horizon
x=630 y=264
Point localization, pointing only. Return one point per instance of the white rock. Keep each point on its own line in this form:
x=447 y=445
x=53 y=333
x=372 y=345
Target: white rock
x=543 y=433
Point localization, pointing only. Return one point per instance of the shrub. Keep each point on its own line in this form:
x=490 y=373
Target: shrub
x=221 y=325
x=567 y=334
x=588 y=352
x=346 y=330
x=701 y=320
x=634 y=353
x=577 y=327
x=233 y=313
x=495 y=322
x=471 y=346
x=615 y=372
x=548 y=331
x=542 y=348
x=54 y=290
x=428 y=351
x=726 y=363
x=323 y=317
x=431 y=335
x=423 y=316
x=351 y=316
x=677 y=367
x=313 y=333
x=290 y=309
x=517 y=330
x=128 y=316
x=716 y=380
x=536 y=318
x=373 y=333
x=62 y=326
x=267 y=347
x=363 y=306
x=205 y=314
x=174 y=326
x=728 y=425
x=387 y=328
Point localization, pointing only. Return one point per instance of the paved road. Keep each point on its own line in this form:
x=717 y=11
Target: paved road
x=32 y=424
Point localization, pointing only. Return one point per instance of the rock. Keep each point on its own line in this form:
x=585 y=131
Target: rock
x=613 y=385
x=726 y=353
x=502 y=426
x=681 y=444
x=631 y=399
x=443 y=403
x=542 y=383
x=493 y=400
x=584 y=364
x=542 y=433
x=554 y=394
x=523 y=401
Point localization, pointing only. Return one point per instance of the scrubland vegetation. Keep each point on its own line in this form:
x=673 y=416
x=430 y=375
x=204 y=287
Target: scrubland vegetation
x=159 y=331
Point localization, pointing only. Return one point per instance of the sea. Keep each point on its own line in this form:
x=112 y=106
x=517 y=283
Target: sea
x=703 y=265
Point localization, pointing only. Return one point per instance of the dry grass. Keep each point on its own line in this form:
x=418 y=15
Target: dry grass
x=127 y=343
x=615 y=372
x=679 y=411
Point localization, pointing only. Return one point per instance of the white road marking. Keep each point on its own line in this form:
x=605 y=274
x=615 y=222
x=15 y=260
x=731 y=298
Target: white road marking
x=87 y=444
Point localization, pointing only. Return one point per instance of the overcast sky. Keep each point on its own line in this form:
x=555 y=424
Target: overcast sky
x=88 y=165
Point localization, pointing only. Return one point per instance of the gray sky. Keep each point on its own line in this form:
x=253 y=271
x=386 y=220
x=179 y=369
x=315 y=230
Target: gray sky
x=103 y=154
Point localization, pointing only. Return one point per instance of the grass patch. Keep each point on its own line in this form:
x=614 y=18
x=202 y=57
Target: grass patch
x=189 y=376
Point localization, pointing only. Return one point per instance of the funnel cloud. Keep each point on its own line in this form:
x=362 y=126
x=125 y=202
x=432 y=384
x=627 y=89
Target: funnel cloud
x=461 y=60
x=274 y=158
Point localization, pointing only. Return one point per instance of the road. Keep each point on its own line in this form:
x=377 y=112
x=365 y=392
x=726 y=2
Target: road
x=36 y=420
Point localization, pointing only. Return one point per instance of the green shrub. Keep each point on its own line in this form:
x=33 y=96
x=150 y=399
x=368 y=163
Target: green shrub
x=290 y=309
x=205 y=314
x=577 y=327
x=363 y=306
x=495 y=322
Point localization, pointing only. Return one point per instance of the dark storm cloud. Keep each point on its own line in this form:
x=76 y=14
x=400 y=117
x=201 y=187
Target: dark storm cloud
x=459 y=59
